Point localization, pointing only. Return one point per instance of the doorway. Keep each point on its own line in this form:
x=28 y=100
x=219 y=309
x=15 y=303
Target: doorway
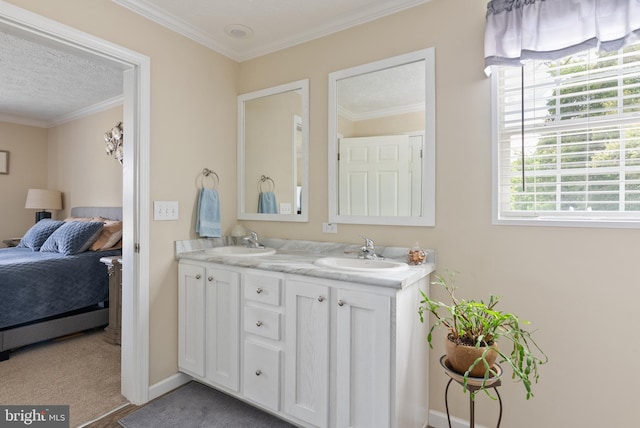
x=136 y=108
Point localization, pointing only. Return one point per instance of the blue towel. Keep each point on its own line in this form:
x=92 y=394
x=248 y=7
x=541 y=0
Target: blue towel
x=267 y=203
x=208 y=216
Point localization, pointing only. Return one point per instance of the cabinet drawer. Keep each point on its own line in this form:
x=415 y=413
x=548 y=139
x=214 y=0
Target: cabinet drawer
x=262 y=374
x=263 y=289
x=262 y=322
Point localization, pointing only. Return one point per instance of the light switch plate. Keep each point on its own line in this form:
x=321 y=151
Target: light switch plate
x=285 y=208
x=165 y=210
x=329 y=228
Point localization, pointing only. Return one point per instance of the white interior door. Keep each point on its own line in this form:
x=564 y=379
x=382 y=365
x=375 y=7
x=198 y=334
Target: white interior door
x=374 y=177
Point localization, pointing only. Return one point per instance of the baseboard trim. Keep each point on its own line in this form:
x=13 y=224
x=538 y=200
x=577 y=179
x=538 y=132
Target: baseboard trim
x=439 y=420
x=167 y=385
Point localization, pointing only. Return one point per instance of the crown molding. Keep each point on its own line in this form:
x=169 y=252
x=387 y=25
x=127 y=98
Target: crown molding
x=75 y=115
x=19 y=120
x=178 y=25
x=87 y=111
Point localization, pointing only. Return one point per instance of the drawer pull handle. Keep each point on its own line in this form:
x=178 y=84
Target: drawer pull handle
x=340 y=302
x=258 y=372
x=258 y=290
x=198 y=276
x=320 y=298
x=259 y=323
x=210 y=278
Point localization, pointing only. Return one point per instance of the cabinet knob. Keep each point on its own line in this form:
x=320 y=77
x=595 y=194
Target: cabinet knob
x=198 y=276
x=210 y=278
x=258 y=290
x=258 y=372
x=340 y=302
x=259 y=323
x=320 y=298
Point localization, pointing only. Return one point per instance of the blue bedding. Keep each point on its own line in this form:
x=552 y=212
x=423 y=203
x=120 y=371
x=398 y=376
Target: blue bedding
x=36 y=285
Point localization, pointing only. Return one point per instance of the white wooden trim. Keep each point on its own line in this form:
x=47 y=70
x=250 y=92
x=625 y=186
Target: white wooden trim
x=439 y=420
x=168 y=384
x=135 y=346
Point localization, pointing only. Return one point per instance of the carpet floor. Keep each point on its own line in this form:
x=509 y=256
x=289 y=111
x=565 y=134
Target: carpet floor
x=82 y=371
x=197 y=406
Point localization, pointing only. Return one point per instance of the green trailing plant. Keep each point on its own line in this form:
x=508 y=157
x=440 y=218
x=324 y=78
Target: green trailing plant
x=479 y=324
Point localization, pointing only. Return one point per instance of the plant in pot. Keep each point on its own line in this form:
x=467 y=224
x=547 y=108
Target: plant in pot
x=474 y=330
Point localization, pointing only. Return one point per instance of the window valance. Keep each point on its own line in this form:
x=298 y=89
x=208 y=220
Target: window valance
x=518 y=30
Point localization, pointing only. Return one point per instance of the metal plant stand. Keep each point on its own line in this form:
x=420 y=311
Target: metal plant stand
x=471 y=388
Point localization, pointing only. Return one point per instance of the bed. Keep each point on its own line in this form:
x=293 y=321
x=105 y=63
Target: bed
x=54 y=283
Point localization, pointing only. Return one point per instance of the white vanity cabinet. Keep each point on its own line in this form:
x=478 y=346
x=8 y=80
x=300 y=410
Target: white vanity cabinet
x=191 y=322
x=209 y=324
x=318 y=352
x=363 y=359
x=307 y=351
x=262 y=320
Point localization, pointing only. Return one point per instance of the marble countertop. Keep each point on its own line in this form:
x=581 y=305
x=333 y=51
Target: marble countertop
x=297 y=257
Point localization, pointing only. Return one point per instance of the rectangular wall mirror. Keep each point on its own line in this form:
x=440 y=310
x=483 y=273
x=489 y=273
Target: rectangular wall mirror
x=382 y=142
x=273 y=160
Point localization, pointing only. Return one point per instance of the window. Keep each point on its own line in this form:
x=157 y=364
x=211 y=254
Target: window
x=580 y=131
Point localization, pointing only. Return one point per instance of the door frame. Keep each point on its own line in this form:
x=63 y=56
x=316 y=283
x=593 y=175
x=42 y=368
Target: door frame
x=136 y=108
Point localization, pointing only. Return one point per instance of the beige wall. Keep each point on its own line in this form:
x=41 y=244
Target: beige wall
x=27 y=147
x=563 y=279
x=79 y=166
x=193 y=116
x=399 y=124
x=268 y=148
x=68 y=157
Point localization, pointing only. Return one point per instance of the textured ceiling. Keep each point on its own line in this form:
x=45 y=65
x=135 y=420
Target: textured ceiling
x=43 y=83
x=40 y=83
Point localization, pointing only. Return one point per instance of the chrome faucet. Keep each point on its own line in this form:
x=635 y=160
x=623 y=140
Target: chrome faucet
x=368 y=251
x=253 y=241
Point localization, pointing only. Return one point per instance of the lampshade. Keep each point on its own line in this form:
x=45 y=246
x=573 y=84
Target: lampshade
x=44 y=199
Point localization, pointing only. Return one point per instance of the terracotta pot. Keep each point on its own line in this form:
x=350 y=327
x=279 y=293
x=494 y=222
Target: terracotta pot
x=461 y=357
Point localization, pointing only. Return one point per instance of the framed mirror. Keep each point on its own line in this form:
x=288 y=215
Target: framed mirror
x=273 y=153
x=382 y=142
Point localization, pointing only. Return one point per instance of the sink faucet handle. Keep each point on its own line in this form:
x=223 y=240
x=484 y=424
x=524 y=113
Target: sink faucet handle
x=368 y=243
x=368 y=251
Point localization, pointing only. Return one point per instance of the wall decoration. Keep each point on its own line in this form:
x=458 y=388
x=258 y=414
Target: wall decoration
x=4 y=162
x=114 y=139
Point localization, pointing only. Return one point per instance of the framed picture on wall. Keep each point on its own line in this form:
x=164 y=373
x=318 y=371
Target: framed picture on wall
x=4 y=162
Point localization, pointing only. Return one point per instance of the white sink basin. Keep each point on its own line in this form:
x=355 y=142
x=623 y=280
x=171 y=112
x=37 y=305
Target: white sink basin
x=240 y=251
x=360 y=265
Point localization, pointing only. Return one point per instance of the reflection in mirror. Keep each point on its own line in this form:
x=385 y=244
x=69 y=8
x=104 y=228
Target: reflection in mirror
x=272 y=153
x=382 y=142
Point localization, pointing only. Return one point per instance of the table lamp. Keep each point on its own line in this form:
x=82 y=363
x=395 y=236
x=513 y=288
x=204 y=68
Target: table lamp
x=43 y=199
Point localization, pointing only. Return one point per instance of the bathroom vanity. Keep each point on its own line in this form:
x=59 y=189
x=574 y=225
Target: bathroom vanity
x=317 y=346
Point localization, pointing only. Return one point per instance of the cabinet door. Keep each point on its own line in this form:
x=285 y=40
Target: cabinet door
x=307 y=352
x=223 y=328
x=191 y=327
x=262 y=374
x=363 y=359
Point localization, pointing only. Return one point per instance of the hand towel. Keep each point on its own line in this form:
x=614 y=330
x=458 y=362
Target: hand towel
x=267 y=203
x=208 y=216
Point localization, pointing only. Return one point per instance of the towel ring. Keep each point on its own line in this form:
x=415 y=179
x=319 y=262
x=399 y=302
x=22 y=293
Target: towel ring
x=209 y=173
x=264 y=179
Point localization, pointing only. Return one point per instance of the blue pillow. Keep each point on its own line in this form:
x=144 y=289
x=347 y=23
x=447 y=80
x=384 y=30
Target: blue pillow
x=38 y=234
x=73 y=237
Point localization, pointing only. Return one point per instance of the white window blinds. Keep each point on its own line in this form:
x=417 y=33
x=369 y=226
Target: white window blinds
x=581 y=138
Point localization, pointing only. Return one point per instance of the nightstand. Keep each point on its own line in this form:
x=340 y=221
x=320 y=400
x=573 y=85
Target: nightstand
x=114 y=329
x=13 y=242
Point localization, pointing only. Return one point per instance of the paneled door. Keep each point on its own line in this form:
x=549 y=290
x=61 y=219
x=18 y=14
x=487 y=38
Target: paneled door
x=307 y=352
x=363 y=360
